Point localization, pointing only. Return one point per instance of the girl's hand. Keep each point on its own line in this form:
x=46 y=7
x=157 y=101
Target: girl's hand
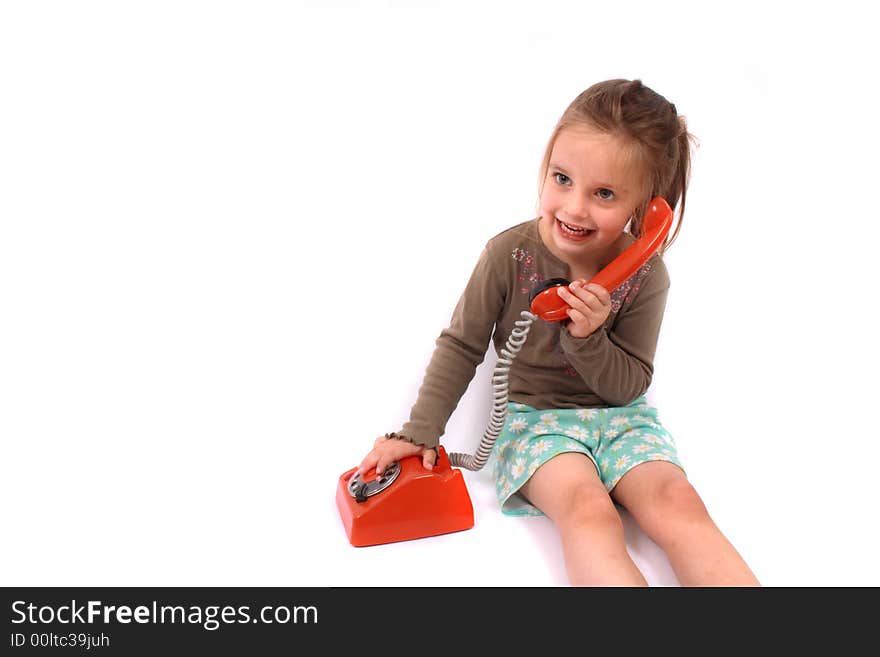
x=387 y=450
x=590 y=307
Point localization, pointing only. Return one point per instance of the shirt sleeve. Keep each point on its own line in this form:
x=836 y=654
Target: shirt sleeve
x=617 y=361
x=459 y=349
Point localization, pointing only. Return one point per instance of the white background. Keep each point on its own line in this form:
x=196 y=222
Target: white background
x=231 y=231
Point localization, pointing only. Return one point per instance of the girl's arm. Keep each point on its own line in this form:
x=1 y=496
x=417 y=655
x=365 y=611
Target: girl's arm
x=460 y=348
x=616 y=360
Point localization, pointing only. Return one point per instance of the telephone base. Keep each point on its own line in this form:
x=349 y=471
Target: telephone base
x=419 y=503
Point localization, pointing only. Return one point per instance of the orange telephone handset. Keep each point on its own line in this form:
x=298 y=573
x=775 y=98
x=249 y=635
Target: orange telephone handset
x=549 y=306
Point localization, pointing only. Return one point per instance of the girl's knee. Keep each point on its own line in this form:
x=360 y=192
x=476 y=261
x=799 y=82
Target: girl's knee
x=677 y=499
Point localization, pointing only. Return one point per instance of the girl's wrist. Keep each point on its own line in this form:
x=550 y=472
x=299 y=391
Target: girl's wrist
x=597 y=331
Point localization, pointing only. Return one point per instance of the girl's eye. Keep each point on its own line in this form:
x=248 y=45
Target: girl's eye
x=562 y=179
x=605 y=194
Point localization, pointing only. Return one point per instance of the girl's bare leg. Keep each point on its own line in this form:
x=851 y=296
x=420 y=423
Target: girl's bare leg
x=669 y=510
x=568 y=490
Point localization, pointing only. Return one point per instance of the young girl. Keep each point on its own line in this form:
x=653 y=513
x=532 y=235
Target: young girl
x=580 y=435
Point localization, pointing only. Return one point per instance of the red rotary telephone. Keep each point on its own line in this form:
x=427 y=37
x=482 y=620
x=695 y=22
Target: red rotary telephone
x=407 y=501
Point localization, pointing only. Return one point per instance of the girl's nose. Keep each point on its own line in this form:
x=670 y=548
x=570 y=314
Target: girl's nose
x=576 y=208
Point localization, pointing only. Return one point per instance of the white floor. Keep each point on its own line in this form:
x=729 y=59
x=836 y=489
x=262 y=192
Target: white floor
x=230 y=234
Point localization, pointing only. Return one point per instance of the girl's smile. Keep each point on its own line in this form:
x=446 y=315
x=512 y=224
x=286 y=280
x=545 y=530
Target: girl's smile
x=573 y=233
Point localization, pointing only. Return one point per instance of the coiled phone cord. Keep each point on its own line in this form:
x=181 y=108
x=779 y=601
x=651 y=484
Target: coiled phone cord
x=500 y=388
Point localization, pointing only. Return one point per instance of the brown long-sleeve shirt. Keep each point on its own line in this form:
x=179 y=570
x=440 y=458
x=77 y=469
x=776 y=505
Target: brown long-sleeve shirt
x=610 y=367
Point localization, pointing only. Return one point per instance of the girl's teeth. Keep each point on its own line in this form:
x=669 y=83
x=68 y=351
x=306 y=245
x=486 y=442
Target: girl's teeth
x=572 y=229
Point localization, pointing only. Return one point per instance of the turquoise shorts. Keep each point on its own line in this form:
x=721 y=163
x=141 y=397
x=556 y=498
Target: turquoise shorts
x=614 y=439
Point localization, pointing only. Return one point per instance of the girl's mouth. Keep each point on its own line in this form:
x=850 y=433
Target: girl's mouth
x=573 y=232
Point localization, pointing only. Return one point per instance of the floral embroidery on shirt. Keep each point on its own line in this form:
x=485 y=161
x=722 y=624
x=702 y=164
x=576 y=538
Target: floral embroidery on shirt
x=526 y=276
x=629 y=288
x=528 y=279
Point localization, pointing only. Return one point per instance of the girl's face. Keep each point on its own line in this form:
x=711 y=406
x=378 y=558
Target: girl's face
x=590 y=192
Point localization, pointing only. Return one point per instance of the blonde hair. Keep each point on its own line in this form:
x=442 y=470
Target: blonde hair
x=646 y=122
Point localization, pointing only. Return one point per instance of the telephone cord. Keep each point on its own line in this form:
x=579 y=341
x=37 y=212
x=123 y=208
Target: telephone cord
x=500 y=391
